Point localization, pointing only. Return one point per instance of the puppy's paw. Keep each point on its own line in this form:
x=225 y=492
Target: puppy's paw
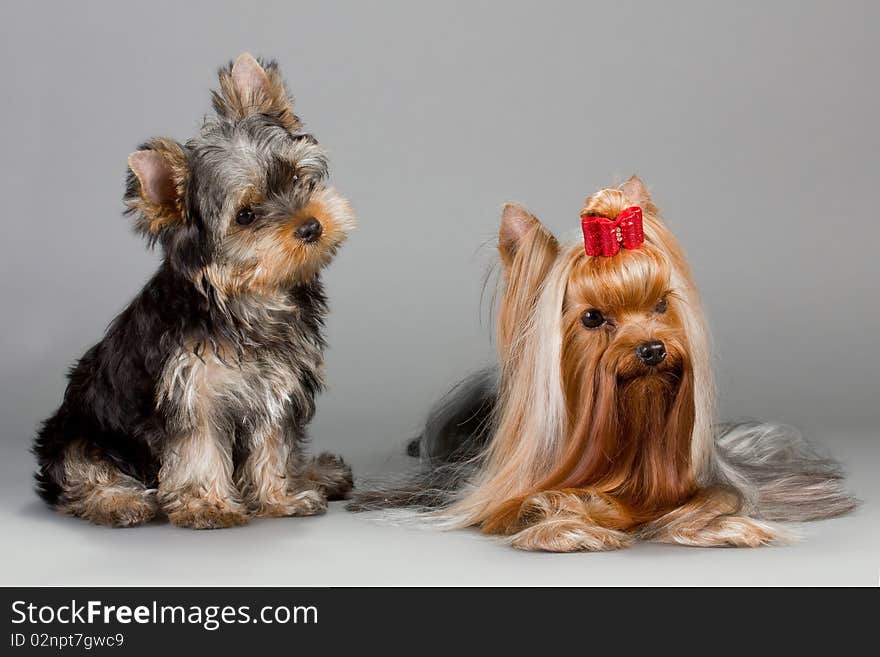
x=132 y=509
x=568 y=535
x=303 y=503
x=208 y=514
x=330 y=474
x=114 y=507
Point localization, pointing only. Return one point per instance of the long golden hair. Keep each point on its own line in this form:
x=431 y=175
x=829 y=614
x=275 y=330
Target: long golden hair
x=572 y=412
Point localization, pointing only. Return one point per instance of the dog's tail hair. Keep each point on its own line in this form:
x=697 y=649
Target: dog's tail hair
x=781 y=475
x=428 y=489
x=449 y=448
x=459 y=425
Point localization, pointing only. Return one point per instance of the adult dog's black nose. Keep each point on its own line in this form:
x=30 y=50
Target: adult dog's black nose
x=652 y=352
x=310 y=230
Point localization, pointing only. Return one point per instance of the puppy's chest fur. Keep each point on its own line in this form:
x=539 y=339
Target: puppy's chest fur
x=264 y=371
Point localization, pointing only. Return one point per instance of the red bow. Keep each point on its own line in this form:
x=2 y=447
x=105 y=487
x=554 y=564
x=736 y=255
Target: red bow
x=604 y=236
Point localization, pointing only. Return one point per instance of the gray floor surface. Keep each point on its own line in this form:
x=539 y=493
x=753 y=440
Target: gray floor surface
x=40 y=547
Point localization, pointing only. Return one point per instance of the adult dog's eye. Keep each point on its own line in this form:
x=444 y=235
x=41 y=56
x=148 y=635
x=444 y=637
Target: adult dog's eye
x=593 y=319
x=661 y=306
x=245 y=217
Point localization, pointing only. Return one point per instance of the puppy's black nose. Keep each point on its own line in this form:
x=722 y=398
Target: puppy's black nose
x=652 y=352
x=310 y=230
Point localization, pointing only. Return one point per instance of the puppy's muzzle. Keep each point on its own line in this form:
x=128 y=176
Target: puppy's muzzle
x=651 y=353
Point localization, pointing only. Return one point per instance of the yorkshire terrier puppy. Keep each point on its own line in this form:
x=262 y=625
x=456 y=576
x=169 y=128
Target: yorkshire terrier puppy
x=195 y=401
x=598 y=426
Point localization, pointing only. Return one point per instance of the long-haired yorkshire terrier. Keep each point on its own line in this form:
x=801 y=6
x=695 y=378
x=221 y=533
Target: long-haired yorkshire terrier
x=598 y=426
x=196 y=400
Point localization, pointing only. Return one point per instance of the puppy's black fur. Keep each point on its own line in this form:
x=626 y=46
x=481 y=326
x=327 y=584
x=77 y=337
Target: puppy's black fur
x=110 y=398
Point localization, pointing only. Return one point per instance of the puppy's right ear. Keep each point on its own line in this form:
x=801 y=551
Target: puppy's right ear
x=528 y=251
x=156 y=184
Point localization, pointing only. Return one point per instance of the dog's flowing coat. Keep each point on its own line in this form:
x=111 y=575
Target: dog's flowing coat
x=196 y=400
x=586 y=446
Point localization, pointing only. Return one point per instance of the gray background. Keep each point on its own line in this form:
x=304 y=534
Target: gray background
x=753 y=122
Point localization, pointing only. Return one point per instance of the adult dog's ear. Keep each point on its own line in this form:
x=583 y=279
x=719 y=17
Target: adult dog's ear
x=528 y=251
x=520 y=230
x=637 y=192
x=249 y=86
x=157 y=178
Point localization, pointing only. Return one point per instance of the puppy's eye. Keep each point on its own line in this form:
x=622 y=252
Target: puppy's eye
x=245 y=217
x=661 y=306
x=593 y=319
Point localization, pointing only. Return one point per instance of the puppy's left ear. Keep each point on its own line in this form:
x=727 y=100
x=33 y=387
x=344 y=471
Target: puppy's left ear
x=156 y=185
x=248 y=86
x=637 y=192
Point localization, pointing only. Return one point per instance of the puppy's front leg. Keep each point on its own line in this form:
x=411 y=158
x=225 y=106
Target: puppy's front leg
x=712 y=518
x=195 y=481
x=268 y=481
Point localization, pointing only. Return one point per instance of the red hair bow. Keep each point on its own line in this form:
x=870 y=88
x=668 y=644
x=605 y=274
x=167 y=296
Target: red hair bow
x=604 y=236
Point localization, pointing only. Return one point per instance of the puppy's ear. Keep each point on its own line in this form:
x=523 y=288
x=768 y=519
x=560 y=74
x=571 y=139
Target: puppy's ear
x=157 y=179
x=528 y=251
x=637 y=192
x=248 y=86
